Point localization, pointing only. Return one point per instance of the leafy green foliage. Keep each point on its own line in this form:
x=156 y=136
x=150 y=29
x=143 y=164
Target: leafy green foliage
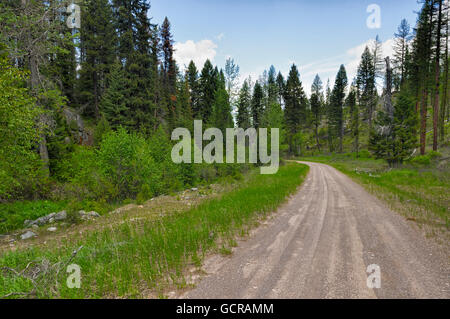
x=19 y=164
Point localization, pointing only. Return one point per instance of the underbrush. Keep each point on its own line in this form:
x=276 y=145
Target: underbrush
x=137 y=257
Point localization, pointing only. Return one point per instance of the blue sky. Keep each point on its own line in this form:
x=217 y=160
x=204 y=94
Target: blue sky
x=318 y=35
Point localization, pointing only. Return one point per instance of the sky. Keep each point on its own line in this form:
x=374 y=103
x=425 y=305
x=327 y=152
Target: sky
x=317 y=35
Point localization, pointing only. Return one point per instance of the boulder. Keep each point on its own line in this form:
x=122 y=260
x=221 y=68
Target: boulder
x=52 y=229
x=93 y=214
x=28 y=235
x=60 y=216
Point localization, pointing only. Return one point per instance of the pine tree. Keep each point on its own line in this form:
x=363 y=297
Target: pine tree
x=336 y=121
x=397 y=144
x=377 y=55
x=98 y=43
x=113 y=105
x=281 y=86
x=207 y=91
x=257 y=105
x=244 y=106
x=354 y=116
x=135 y=51
x=193 y=80
x=184 y=104
x=366 y=85
x=316 y=102
x=444 y=110
x=437 y=70
x=273 y=89
x=295 y=109
x=221 y=117
x=422 y=61
x=168 y=71
x=402 y=38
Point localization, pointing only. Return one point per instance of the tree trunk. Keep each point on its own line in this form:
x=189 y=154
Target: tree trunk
x=317 y=137
x=423 y=121
x=444 y=103
x=436 y=79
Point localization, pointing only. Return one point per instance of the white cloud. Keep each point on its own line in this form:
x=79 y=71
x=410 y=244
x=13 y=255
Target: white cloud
x=199 y=52
x=220 y=36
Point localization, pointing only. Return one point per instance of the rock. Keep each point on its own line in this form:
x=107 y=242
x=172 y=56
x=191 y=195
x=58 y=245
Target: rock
x=28 y=235
x=82 y=213
x=93 y=214
x=61 y=216
x=194 y=189
x=35 y=226
x=28 y=223
x=52 y=229
x=51 y=220
x=140 y=206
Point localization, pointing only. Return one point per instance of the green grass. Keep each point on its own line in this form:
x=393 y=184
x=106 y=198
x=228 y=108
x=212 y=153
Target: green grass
x=419 y=192
x=135 y=258
x=13 y=215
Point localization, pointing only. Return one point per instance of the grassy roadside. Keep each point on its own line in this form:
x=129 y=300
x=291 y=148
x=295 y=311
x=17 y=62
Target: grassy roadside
x=418 y=192
x=138 y=257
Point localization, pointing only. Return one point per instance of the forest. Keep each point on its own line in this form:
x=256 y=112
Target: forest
x=87 y=113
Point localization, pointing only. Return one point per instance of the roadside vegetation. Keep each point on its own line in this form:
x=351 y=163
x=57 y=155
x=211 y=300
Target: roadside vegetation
x=419 y=189
x=141 y=257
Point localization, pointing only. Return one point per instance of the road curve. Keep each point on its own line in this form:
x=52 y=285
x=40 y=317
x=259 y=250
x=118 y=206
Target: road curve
x=319 y=245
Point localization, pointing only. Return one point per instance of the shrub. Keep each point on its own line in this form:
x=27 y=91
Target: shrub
x=421 y=160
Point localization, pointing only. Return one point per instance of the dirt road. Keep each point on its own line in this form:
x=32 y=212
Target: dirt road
x=319 y=245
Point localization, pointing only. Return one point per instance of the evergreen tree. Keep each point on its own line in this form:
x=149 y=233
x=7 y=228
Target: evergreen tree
x=184 y=104
x=273 y=88
x=281 y=85
x=366 y=85
x=402 y=38
x=135 y=51
x=316 y=102
x=354 y=116
x=422 y=62
x=377 y=55
x=437 y=70
x=257 y=105
x=221 y=117
x=168 y=71
x=207 y=91
x=98 y=44
x=336 y=120
x=244 y=106
x=295 y=109
x=398 y=143
x=445 y=109
x=113 y=105
x=193 y=80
